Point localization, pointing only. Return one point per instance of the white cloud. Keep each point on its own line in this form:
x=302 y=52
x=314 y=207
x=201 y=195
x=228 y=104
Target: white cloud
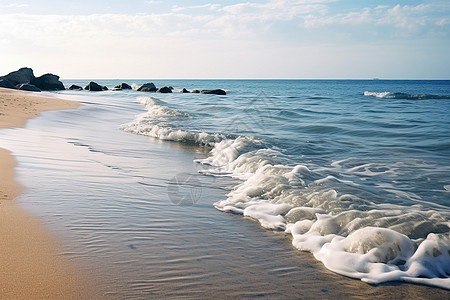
x=391 y=22
x=209 y=6
x=276 y=9
x=201 y=37
x=239 y=21
x=442 y=22
x=17 y=5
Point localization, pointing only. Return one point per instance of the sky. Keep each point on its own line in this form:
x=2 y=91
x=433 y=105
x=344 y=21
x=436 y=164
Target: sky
x=304 y=39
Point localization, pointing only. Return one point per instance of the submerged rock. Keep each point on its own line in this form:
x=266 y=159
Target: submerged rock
x=195 y=91
x=23 y=75
x=28 y=87
x=184 y=91
x=48 y=82
x=149 y=87
x=93 y=87
x=214 y=92
x=75 y=87
x=7 y=84
x=164 y=90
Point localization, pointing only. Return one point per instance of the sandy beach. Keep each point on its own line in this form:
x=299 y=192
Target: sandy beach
x=31 y=264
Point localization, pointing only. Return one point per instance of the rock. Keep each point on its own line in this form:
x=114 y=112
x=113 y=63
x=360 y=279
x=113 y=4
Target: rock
x=48 y=82
x=171 y=87
x=146 y=89
x=122 y=86
x=214 y=92
x=23 y=75
x=195 y=91
x=28 y=87
x=184 y=91
x=7 y=84
x=147 y=85
x=93 y=87
x=164 y=90
x=75 y=87
x=104 y=88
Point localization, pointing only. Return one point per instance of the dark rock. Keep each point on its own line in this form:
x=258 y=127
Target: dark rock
x=104 y=88
x=122 y=86
x=146 y=89
x=93 y=87
x=48 y=82
x=75 y=87
x=23 y=75
x=171 y=87
x=147 y=85
x=195 y=91
x=184 y=91
x=7 y=84
x=28 y=87
x=214 y=92
x=164 y=90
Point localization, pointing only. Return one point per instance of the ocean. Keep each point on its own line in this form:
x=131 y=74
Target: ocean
x=198 y=190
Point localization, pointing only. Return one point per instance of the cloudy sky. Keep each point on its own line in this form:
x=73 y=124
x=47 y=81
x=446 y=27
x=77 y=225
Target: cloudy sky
x=227 y=39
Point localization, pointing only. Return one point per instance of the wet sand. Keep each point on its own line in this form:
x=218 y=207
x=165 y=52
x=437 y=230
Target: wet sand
x=31 y=263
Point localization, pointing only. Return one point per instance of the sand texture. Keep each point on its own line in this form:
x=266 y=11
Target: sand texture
x=31 y=263
x=18 y=106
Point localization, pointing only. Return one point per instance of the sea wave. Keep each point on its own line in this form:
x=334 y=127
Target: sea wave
x=327 y=214
x=351 y=235
x=392 y=95
x=155 y=122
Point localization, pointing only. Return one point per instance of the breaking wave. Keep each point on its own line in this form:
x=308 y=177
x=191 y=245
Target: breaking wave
x=327 y=209
x=391 y=95
x=156 y=122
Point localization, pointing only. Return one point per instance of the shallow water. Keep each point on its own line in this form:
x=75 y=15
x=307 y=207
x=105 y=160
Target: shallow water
x=318 y=159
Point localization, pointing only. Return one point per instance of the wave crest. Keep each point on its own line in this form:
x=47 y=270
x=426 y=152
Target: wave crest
x=392 y=95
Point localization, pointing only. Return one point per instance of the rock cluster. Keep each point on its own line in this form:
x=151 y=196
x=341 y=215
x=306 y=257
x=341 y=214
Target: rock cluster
x=150 y=87
x=24 y=79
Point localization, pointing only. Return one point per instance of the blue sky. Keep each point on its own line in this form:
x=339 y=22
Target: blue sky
x=227 y=39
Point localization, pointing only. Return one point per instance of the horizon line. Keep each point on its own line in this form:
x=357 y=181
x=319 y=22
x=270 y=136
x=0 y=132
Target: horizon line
x=149 y=78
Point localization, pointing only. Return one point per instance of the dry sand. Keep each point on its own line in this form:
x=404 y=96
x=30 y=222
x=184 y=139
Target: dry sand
x=31 y=264
x=18 y=106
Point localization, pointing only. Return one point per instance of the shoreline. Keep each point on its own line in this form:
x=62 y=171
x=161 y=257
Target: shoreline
x=314 y=280
x=31 y=264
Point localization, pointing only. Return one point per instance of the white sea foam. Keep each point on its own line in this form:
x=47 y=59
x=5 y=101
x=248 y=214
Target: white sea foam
x=350 y=235
x=156 y=123
x=378 y=95
x=392 y=95
x=349 y=232
x=158 y=108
